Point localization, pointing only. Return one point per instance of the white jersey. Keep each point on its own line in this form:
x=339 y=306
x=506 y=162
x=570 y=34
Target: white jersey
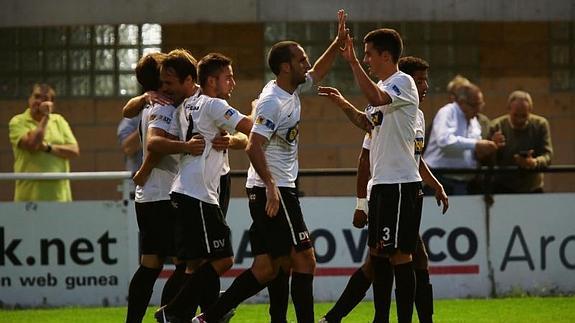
x=392 y=157
x=419 y=143
x=157 y=187
x=277 y=118
x=199 y=176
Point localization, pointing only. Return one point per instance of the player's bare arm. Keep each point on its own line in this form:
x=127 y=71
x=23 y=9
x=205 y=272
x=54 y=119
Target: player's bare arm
x=136 y=104
x=363 y=175
x=429 y=179
x=152 y=158
x=257 y=157
x=375 y=96
x=195 y=146
x=358 y=118
x=324 y=63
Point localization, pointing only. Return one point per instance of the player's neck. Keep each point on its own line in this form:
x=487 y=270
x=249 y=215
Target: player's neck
x=285 y=84
x=387 y=71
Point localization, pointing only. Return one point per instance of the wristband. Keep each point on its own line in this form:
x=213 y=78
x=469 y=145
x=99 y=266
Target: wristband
x=48 y=148
x=361 y=204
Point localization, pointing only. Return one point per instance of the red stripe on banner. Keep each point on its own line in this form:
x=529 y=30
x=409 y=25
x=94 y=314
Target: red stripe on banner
x=348 y=271
x=455 y=269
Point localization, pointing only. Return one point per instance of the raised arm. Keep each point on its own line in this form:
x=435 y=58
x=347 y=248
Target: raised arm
x=136 y=104
x=325 y=62
x=375 y=96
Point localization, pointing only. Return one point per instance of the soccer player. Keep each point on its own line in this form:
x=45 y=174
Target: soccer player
x=278 y=233
x=361 y=280
x=396 y=195
x=154 y=211
x=202 y=234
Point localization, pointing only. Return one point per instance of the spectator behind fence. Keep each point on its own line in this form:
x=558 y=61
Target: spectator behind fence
x=129 y=139
x=527 y=144
x=42 y=142
x=483 y=120
x=455 y=140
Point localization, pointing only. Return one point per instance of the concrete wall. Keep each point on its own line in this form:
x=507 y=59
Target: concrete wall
x=71 y=12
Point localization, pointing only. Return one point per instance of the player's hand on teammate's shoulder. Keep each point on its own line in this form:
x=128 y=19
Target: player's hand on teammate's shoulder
x=153 y=97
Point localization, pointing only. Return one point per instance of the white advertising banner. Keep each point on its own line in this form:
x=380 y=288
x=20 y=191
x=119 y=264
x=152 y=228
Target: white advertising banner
x=65 y=253
x=84 y=253
x=533 y=243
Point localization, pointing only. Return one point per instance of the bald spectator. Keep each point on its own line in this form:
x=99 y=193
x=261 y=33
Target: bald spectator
x=527 y=144
x=455 y=140
x=457 y=81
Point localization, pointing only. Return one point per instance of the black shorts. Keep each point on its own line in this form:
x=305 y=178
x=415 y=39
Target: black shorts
x=224 y=192
x=394 y=217
x=156 y=223
x=201 y=229
x=276 y=236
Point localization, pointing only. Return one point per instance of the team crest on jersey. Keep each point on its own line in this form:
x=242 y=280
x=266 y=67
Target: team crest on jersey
x=376 y=118
x=229 y=114
x=419 y=144
x=292 y=133
x=396 y=89
x=265 y=122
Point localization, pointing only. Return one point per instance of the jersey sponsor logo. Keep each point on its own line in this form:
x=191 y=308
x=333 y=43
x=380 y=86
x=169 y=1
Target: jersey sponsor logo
x=265 y=122
x=191 y=107
x=166 y=119
x=229 y=114
x=395 y=89
x=419 y=144
x=292 y=133
x=376 y=118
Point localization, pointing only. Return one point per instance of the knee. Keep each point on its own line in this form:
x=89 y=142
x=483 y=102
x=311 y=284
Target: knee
x=223 y=265
x=152 y=261
x=399 y=258
x=265 y=274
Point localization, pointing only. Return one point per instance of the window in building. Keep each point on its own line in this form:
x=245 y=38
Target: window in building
x=562 y=56
x=450 y=48
x=77 y=61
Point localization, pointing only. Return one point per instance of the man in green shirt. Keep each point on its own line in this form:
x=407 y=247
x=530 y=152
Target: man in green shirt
x=528 y=145
x=42 y=142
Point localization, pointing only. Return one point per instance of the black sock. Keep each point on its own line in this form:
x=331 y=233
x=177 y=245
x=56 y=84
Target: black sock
x=209 y=286
x=382 y=286
x=353 y=293
x=302 y=296
x=404 y=292
x=173 y=284
x=139 y=293
x=423 y=296
x=243 y=287
x=278 y=290
x=186 y=298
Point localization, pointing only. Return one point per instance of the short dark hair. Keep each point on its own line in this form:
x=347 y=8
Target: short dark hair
x=44 y=89
x=183 y=63
x=148 y=71
x=280 y=53
x=411 y=64
x=211 y=65
x=385 y=39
